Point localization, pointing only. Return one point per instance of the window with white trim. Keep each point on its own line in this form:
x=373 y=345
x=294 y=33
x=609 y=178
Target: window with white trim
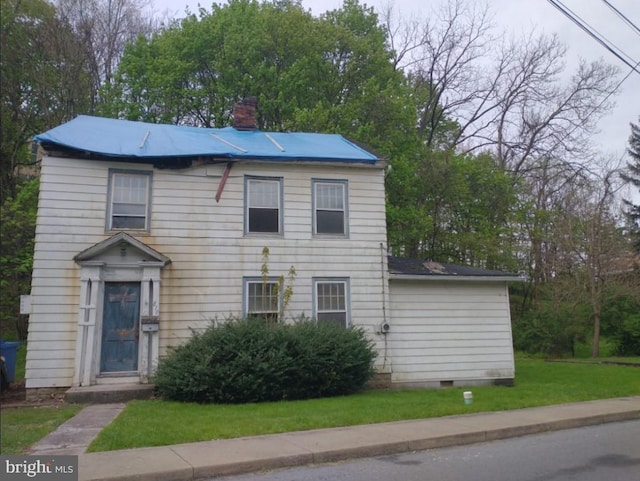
x=129 y=200
x=262 y=299
x=263 y=200
x=330 y=207
x=332 y=301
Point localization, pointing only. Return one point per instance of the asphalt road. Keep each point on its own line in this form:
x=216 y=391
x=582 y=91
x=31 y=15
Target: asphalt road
x=609 y=452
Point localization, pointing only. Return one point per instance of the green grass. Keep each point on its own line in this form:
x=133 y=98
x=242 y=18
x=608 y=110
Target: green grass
x=599 y=360
x=21 y=427
x=627 y=360
x=607 y=348
x=157 y=423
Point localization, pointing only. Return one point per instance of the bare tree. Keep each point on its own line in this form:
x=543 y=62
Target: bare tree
x=632 y=177
x=443 y=57
x=546 y=186
x=540 y=116
x=592 y=246
x=105 y=27
x=513 y=97
x=478 y=90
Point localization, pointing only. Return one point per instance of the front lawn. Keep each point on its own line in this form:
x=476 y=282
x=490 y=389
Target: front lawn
x=158 y=423
x=21 y=427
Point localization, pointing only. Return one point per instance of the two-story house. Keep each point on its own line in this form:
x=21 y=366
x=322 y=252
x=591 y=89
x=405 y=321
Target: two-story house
x=146 y=232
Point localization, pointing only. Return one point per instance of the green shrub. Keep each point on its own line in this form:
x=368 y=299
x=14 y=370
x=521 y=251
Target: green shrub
x=245 y=360
x=549 y=330
x=627 y=339
x=621 y=323
x=617 y=307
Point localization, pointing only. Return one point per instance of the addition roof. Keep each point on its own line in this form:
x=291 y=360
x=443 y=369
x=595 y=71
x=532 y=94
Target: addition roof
x=401 y=267
x=115 y=138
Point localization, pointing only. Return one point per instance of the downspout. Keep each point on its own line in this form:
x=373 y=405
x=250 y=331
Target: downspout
x=384 y=302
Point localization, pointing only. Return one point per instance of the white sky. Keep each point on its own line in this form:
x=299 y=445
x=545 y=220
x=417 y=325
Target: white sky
x=518 y=16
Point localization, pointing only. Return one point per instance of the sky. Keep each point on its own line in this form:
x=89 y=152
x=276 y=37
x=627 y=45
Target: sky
x=520 y=16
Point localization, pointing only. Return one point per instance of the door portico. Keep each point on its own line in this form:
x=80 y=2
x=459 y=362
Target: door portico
x=119 y=317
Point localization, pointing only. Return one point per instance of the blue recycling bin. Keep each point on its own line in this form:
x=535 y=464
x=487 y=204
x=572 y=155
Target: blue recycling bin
x=8 y=352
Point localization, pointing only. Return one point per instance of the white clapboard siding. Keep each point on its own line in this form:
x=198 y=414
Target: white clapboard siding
x=49 y=377
x=59 y=336
x=210 y=255
x=449 y=331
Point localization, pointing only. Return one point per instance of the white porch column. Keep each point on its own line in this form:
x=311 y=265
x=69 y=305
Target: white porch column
x=150 y=317
x=91 y=280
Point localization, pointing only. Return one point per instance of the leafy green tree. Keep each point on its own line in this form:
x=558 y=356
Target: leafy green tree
x=193 y=72
x=453 y=208
x=329 y=74
x=18 y=220
x=621 y=319
x=361 y=89
x=633 y=178
x=44 y=81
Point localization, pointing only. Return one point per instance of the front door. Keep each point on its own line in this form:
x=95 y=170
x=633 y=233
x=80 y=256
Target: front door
x=120 y=329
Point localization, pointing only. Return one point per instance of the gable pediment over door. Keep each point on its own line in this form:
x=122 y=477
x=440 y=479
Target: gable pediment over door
x=121 y=249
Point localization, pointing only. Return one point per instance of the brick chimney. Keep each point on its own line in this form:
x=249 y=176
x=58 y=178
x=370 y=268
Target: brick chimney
x=244 y=114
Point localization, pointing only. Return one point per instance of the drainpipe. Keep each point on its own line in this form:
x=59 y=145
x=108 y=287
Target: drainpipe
x=384 y=302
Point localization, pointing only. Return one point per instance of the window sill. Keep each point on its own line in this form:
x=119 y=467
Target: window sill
x=331 y=236
x=273 y=235
x=138 y=232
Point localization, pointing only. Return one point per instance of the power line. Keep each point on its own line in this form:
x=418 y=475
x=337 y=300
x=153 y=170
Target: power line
x=633 y=68
x=622 y=16
x=585 y=27
x=600 y=104
x=594 y=34
x=618 y=85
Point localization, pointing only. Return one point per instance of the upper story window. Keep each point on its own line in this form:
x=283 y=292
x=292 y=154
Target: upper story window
x=330 y=214
x=332 y=301
x=262 y=300
x=263 y=201
x=129 y=203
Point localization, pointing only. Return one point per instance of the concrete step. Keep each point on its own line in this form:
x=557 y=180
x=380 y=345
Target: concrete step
x=108 y=393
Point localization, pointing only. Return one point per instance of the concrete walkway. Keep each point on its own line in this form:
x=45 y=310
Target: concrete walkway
x=75 y=435
x=242 y=455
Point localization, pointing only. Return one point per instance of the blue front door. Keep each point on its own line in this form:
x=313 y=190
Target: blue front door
x=120 y=327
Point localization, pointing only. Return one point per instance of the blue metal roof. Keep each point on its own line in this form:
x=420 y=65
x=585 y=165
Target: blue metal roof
x=124 y=138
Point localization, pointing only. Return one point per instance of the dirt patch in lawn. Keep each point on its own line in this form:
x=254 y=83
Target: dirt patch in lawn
x=16 y=397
